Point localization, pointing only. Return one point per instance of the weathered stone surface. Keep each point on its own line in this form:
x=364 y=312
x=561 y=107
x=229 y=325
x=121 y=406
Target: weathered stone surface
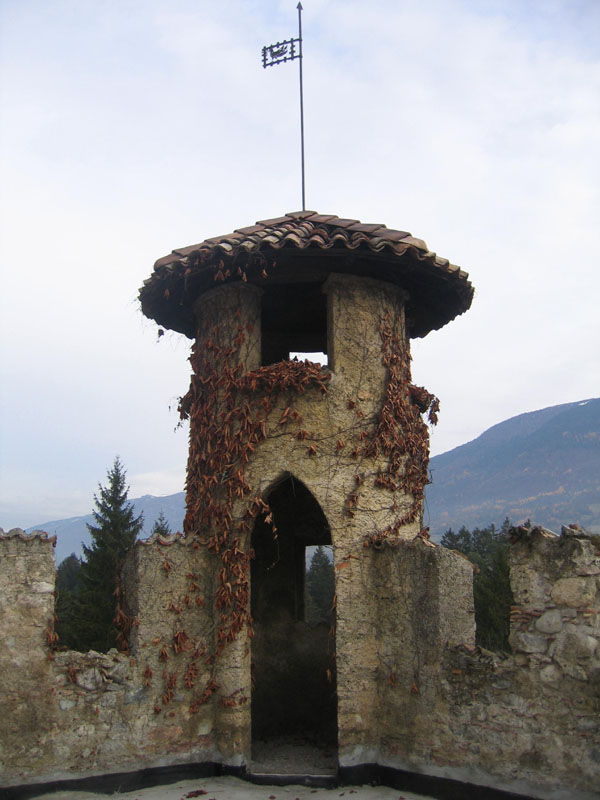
x=550 y=621
x=551 y=673
x=443 y=706
x=575 y=646
x=90 y=679
x=538 y=708
x=528 y=642
x=86 y=713
x=574 y=592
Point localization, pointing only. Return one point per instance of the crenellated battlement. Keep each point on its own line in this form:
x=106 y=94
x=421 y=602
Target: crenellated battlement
x=525 y=721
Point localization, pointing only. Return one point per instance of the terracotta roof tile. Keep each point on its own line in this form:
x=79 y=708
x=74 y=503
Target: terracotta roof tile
x=323 y=218
x=19 y=533
x=162 y=262
x=345 y=223
x=438 y=290
x=301 y=214
x=185 y=251
x=250 y=229
x=392 y=235
x=273 y=221
x=408 y=239
x=362 y=228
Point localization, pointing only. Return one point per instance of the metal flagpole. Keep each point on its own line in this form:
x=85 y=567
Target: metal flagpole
x=299 y=7
x=279 y=53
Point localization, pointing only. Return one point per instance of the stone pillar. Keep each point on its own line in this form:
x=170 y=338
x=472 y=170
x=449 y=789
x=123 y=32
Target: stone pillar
x=424 y=599
x=355 y=309
x=27 y=579
x=229 y=337
x=229 y=316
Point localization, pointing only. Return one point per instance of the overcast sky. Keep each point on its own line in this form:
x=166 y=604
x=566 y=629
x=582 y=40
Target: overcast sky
x=132 y=127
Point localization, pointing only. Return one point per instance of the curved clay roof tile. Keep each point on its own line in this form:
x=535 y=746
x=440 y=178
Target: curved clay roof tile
x=308 y=246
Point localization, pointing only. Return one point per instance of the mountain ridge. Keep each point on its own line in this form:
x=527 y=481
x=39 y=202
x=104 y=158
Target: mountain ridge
x=552 y=453
x=72 y=533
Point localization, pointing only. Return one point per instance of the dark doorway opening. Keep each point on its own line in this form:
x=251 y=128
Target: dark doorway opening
x=294 y=699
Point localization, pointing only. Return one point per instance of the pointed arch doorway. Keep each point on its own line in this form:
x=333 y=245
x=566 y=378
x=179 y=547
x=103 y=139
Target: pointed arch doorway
x=294 y=699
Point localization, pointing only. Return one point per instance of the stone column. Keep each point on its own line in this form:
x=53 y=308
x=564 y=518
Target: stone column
x=356 y=307
x=229 y=337
x=228 y=312
x=29 y=706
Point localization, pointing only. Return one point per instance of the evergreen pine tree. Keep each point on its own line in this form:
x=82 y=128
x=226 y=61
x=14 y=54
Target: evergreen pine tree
x=487 y=548
x=461 y=541
x=320 y=588
x=113 y=535
x=68 y=585
x=161 y=526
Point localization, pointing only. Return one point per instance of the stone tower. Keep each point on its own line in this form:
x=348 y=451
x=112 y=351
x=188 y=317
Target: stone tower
x=222 y=649
x=287 y=452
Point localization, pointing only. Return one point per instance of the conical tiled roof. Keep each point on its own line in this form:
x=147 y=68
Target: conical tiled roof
x=301 y=247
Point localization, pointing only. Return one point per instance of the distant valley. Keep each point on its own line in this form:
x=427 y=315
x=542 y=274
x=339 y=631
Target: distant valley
x=544 y=465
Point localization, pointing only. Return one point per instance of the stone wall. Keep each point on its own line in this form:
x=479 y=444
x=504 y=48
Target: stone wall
x=526 y=722
x=69 y=714
x=425 y=605
x=27 y=576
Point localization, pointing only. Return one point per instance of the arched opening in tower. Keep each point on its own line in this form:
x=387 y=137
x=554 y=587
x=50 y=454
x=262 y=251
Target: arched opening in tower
x=294 y=698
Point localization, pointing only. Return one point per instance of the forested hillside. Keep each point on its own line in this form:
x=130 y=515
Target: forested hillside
x=544 y=465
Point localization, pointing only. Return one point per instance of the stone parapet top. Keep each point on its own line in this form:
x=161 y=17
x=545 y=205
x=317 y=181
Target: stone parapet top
x=162 y=541
x=19 y=533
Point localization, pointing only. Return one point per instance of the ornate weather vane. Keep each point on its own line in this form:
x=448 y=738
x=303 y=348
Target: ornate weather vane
x=279 y=53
